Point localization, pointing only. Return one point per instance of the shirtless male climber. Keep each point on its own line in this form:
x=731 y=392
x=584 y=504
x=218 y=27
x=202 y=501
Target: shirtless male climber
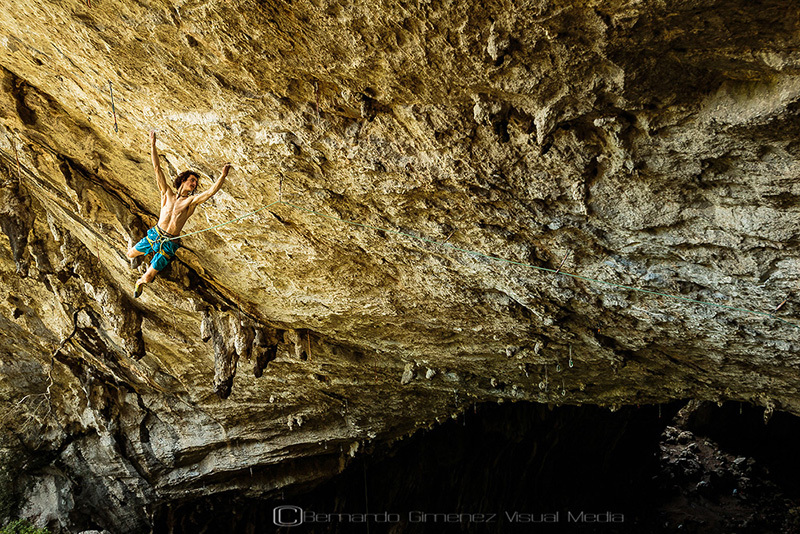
x=175 y=211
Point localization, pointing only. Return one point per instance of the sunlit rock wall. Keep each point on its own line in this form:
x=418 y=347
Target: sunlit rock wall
x=646 y=144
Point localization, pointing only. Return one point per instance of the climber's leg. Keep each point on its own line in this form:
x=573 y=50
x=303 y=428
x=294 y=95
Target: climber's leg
x=146 y=278
x=133 y=252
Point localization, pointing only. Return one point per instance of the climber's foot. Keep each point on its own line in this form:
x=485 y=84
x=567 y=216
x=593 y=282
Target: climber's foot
x=137 y=289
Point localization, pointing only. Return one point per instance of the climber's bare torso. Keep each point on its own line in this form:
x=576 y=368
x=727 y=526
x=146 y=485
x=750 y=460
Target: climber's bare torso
x=175 y=209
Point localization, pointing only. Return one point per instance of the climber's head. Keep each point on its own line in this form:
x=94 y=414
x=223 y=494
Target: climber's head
x=186 y=183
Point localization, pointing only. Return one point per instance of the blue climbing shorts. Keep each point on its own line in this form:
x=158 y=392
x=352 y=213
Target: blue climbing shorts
x=158 y=241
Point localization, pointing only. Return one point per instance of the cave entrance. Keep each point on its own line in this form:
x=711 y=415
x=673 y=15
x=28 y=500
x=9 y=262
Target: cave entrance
x=525 y=467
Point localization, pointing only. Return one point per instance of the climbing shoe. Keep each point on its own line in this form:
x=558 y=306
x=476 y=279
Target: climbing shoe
x=137 y=290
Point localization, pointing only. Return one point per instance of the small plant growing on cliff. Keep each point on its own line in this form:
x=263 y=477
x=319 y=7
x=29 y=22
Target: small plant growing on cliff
x=20 y=526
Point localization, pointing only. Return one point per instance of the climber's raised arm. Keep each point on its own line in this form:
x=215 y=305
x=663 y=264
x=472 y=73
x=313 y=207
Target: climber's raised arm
x=163 y=239
x=205 y=195
x=162 y=182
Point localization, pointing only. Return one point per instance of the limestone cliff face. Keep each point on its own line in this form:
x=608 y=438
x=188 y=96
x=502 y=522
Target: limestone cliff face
x=647 y=144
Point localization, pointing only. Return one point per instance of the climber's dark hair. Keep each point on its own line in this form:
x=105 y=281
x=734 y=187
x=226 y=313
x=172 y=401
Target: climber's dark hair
x=182 y=177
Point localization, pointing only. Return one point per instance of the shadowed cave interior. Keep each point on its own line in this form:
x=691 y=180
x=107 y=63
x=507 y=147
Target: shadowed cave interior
x=695 y=467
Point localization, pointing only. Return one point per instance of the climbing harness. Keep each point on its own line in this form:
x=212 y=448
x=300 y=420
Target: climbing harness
x=158 y=244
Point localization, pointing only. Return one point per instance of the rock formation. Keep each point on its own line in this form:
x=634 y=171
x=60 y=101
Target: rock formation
x=648 y=144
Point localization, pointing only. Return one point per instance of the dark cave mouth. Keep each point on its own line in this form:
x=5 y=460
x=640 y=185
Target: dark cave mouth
x=696 y=467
